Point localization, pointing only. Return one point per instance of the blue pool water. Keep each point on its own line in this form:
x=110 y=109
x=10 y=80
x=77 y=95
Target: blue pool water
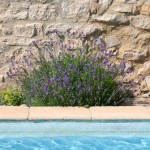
x=111 y=135
x=75 y=143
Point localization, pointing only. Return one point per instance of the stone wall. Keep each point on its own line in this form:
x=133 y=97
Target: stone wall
x=124 y=24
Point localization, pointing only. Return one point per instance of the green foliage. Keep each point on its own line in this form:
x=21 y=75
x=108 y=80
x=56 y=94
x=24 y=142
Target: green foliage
x=10 y=96
x=63 y=79
x=73 y=81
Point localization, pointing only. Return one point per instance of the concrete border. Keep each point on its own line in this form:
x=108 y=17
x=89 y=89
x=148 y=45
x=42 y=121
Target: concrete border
x=74 y=113
x=14 y=112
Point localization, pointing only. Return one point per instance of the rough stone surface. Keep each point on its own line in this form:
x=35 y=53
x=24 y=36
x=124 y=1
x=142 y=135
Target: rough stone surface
x=123 y=8
x=147 y=95
x=24 y=30
x=112 y=41
x=42 y=12
x=145 y=70
x=61 y=27
x=6 y=30
x=114 y=18
x=141 y=101
x=15 y=11
x=100 y=7
x=147 y=80
x=137 y=56
x=145 y=9
x=141 y=22
x=124 y=24
x=74 y=9
x=28 y=30
x=147 y=65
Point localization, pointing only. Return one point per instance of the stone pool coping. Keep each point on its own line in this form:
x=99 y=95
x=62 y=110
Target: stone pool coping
x=73 y=113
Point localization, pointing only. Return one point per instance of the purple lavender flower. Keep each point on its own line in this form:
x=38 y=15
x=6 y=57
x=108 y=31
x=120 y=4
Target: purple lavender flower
x=105 y=60
x=110 y=54
x=89 y=89
x=129 y=70
x=68 y=47
x=29 y=52
x=81 y=63
x=123 y=64
x=60 y=84
x=66 y=79
x=98 y=76
x=70 y=68
x=79 y=85
x=35 y=44
x=72 y=56
x=58 y=79
x=68 y=89
x=84 y=68
x=45 y=89
x=102 y=44
x=55 y=31
x=76 y=71
x=12 y=63
x=26 y=60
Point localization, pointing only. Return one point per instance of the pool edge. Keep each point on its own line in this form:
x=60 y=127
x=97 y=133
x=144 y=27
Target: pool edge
x=74 y=113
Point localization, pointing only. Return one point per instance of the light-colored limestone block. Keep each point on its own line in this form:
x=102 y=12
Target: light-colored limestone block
x=42 y=12
x=112 y=41
x=24 y=30
x=76 y=9
x=111 y=17
x=147 y=80
x=142 y=22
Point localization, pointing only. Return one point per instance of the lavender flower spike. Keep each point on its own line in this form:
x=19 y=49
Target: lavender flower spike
x=35 y=44
x=123 y=64
x=66 y=79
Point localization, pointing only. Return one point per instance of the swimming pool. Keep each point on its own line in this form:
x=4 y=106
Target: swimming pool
x=74 y=135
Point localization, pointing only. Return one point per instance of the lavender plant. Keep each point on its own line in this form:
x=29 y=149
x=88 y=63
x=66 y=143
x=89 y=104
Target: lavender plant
x=71 y=79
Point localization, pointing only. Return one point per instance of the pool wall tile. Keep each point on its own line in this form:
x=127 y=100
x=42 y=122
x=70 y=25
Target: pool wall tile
x=56 y=113
x=14 y=112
